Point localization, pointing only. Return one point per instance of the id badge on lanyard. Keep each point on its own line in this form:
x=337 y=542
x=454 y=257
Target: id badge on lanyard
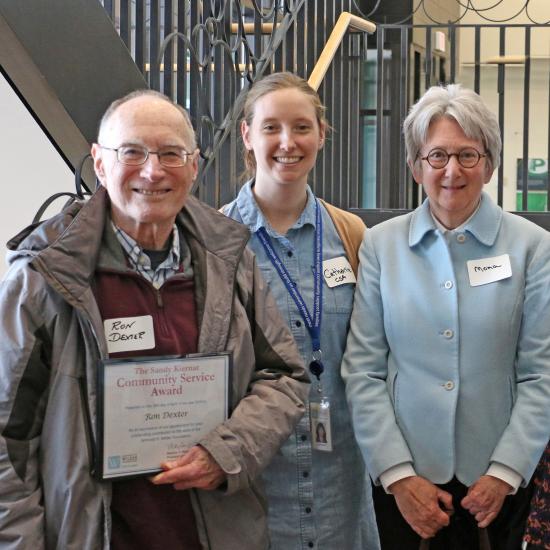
x=321 y=434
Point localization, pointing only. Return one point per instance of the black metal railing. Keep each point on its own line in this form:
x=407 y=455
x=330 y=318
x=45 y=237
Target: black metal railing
x=206 y=54
x=515 y=85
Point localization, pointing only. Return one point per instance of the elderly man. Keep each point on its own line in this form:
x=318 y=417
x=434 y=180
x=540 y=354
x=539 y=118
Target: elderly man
x=139 y=247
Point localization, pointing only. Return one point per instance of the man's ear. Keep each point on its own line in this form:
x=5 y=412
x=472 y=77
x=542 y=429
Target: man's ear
x=245 y=133
x=98 y=163
x=195 y=163
x=416 y=170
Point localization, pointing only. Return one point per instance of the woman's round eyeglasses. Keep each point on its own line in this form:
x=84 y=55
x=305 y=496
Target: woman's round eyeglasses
x=135 y=155
x=467 y=158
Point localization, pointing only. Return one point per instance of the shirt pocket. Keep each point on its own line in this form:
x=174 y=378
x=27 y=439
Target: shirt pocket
x=338 y=299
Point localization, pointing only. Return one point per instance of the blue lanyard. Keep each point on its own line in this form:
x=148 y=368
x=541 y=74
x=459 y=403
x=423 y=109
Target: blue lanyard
x=312 y=322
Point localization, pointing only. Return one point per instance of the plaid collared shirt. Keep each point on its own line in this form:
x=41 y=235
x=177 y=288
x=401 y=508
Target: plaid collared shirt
x=142 y=263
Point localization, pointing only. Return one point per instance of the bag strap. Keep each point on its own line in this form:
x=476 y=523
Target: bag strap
x=44 y=206
x=350 y=229
x=484 y=541
x=79 y=194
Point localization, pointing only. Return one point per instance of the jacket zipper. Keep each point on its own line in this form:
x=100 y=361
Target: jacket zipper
x=160 y=302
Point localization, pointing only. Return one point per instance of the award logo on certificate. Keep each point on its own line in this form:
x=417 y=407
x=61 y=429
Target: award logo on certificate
x=154 y=410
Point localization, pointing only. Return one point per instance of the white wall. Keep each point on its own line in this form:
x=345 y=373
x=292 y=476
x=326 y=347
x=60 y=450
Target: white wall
x=31 y=169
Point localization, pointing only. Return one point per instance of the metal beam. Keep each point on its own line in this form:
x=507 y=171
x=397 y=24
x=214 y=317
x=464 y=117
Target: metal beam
x=372 y=217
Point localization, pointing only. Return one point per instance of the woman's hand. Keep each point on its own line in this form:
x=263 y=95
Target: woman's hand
x=485 y=498
x=425 y=507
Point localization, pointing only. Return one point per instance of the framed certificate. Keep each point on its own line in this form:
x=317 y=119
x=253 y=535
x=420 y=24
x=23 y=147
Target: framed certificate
x=152 y=410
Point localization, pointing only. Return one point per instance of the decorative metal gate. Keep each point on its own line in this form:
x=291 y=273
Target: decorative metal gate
x=206 y=55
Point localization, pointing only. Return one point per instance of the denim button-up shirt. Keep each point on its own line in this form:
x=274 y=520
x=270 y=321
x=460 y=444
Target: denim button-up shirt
x=316 y=499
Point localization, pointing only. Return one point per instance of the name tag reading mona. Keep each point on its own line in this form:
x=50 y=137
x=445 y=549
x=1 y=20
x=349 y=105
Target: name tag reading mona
x=489 y=270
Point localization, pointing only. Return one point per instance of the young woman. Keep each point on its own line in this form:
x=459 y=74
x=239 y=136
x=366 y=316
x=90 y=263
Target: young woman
x=318 y=491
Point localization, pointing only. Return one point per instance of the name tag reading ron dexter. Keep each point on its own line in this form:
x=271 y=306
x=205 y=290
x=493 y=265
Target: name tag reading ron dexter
x=337 y=271
x=154 y=410
x=129 y=333
x=489 y=270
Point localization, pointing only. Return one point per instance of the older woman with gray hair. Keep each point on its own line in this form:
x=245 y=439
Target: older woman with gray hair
x=447 y=361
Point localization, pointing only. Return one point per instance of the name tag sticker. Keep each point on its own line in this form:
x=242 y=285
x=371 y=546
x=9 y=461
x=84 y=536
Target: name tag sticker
x=129 y=333
x=489 y=270
x=337 y=271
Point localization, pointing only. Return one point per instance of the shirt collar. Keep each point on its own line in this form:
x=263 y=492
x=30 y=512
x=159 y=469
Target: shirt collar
x=253 y=217
x=484 y=225
x=139 y=259
x=444 y=229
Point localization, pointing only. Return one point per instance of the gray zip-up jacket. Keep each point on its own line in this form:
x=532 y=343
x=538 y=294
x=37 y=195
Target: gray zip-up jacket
x=52 y=339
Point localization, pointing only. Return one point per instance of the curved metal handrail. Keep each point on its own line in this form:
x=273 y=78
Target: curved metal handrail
x=345 y=21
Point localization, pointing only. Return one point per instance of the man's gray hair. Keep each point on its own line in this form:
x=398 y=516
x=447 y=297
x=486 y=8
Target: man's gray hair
x=190 y=138
x=463 y=105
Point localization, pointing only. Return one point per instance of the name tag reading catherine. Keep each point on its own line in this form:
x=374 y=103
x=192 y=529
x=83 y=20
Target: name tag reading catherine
x=129 y=333
x=489 y=270
x=338 y=271
x=154 y=410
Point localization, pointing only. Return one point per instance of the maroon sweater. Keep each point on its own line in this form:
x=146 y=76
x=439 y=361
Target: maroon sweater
x=144 y=515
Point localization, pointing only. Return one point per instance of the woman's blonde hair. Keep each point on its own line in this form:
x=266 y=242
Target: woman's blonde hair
x=273 y=83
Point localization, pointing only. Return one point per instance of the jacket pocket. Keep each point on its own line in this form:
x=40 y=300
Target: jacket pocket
x=393 y=388
x=22 y=455
x=88 y=428
x=512 y=392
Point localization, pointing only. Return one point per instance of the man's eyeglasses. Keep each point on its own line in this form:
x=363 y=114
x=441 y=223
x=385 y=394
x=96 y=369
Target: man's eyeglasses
x=467 y=158
x=135 y=155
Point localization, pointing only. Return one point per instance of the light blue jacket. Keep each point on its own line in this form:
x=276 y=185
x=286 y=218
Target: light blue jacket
x=441 y=374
